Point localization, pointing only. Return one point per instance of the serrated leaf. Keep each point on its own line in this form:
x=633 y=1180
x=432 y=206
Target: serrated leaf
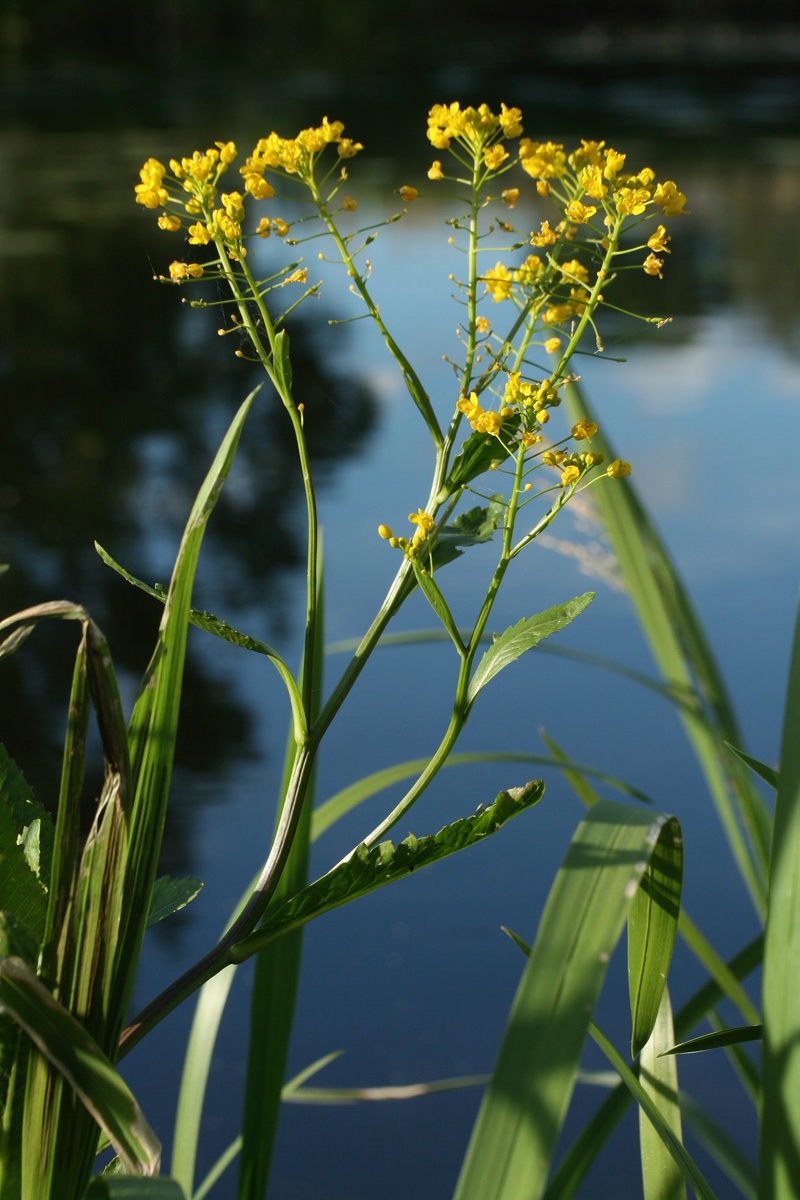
x=169 y=895
x=33 y=821
x=21 y=893
x=368 y=869
x=510 y=645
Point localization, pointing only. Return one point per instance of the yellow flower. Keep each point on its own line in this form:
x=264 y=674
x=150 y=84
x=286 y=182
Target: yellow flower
x=510 y=196
x=614 y=163
x=408 y=194
x=229 y=228
x=435 y=171
x=552 y=458
x=349 y=204
x=169 y=222
x=617 y=469
x=574 y=270
x=542 y=160
x=584 y=429
x=653 y=265
x=151 y=192
x=199 y=235
x=258 y=187
x=280 y=227
x=385 y=532
x=658 y=241
x=227 y=152
x=233 y=205
x=495 y=156
x=587 y=155
x=670 y=199
x=423 y=520
x=299 y=276
x=470 y=407
x=545 y=237
x=498 y=282
x=579 y=213
x=591 y=180
x=488 y=422
x=347 y=148
x=179 y=270
x=483 y=324
x=569 y=475
x=510 y=121
x=632 y=201
x=263 y=228
x=552 y=344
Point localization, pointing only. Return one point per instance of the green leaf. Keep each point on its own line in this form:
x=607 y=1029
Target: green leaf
x=79 y=1059
x=685 y=1162
x=169 y=895
x=780 y=1003
x=652 y=925
x=522 y=1113
x=478 y=452
x=33 y=821
x=718 y=1040
x=21 y=892
x=133 y=1187
x=367 y=869
x=680 y=648
x=282 y=362
x=662 y=1178
x=768 y=774
x=433 y=595
x=507 y=647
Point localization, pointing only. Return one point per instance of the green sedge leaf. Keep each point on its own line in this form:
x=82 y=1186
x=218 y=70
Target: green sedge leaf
x=768 y=774
x=719 y=1040
x=507 y=647
x=652 y=925
x=76 y=1055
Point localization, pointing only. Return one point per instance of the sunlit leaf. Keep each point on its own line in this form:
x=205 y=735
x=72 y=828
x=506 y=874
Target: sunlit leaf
x=508 y=646
x=367 y=869
x=652 y=925
x=662 y=1178
x=718 y=1040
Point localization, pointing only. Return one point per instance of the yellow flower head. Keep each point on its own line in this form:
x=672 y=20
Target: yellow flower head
x=169 y=222
x=588 y=154
x=510 y=196
x=614 y=164
x=574 y=270
x=542 y=160
x=498 y=282
x=545 y=237
x=494 y=156
x=151 y=192
x=591 y=180
x=349 y=204
x=670 y=199
x=618 y=469
x=552 y=344
x=483 y=324
x=347 y=148
x=632 y=201
x=408 y=194
x=653 y=265
x=435 y=171
x=199 y=235
x=510 y=120
x=179 y=270
x=658 y=241
x=584 y=429
x=570 y=474
x=527 y=274
x=579 y=213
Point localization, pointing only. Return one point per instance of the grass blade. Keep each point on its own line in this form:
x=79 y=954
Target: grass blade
x=652 y=925
x=662 y=1178
x=680 y=648
x=519 y=1121
x=780 y=1112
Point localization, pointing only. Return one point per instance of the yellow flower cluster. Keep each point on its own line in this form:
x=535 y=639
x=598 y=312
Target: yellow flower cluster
x=410 y=547
x=294 y=156
x=475 y=128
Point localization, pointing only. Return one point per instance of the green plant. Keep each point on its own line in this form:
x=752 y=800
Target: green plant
x=77 y=905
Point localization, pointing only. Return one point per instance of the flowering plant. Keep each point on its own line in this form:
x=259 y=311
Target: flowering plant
x=525 y=316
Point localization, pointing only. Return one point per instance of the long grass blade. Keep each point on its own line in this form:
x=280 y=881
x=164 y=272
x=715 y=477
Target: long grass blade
x=680 y=648
x=521 y=1115
x=780 y=1111
x=662 y=1178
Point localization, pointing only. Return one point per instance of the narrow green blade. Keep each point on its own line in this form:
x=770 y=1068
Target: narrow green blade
x=519 y=1121
x=662 y=1178
x=652 y=925
x=780 y=1111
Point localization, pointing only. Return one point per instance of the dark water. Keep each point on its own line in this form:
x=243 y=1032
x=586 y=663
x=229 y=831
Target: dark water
x=113 y=399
